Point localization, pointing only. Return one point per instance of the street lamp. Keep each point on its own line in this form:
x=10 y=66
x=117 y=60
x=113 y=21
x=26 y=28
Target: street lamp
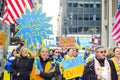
x=65 y=27
x=66 y=19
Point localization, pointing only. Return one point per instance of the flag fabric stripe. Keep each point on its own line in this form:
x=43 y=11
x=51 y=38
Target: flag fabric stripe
x=115 y=31
x=117 y=14
x=116 y=36
x=30 y=2
x=26 y=3
x=23 y=2
x=14 y=9
x=116 y=27
x=5 y=17
x=20 y=8
x=22 y=5
x=10 y=19
x=5 y=14
x=12 y=16
x=118 y=40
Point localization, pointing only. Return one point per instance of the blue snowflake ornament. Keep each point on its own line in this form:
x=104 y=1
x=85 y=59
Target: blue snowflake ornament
x=33 y=26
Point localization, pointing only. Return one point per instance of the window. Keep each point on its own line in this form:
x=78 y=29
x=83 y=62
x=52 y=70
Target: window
x=97 y=5
x=97 y=29
x=75 y=17
x=91 y=16
x=69 y=4
x=86 y=29
x=91 y=30
x=80 y=29
x=91 y=5
x=70 y=30
x=75 y=30
x=98 y=16
x=75 y=5
x=86 y=17
x=86 y=5
x=80 y=17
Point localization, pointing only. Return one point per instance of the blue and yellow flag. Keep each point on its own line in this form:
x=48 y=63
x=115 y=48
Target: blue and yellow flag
x=78 y=45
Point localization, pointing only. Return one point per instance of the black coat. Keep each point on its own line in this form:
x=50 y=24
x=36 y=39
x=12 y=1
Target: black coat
x=89 y=72
x=50 y=75
x=22 y=66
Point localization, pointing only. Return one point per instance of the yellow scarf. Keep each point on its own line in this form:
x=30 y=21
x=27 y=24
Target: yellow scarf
x=33 y=76
x=116 y=66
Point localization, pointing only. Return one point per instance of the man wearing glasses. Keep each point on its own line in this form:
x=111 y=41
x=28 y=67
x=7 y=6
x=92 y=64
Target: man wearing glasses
x=100 y=68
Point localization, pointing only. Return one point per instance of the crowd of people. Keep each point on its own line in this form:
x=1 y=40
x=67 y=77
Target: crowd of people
x=99 y=63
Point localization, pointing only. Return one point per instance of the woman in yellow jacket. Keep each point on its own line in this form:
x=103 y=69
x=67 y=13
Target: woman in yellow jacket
x=116 y=60
x=42 y=67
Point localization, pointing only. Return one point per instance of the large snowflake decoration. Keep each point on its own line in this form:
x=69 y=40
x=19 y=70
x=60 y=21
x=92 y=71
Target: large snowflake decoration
x=33 y=26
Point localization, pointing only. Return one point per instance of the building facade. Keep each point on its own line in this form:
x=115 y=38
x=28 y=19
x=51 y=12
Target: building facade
x=1 y=8
x=82 y=17
x=90 y=17
x=109 y=9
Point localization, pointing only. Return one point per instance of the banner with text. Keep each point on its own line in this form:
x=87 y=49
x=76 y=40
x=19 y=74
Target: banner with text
x=73 y=67
x=67 y=41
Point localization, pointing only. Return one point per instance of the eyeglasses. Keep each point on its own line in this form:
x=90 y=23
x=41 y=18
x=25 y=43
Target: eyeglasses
x=102 y=51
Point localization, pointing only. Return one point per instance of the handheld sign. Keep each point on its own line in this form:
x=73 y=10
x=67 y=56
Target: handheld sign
x=67 y=41
x=73 y=67
x=33 y=26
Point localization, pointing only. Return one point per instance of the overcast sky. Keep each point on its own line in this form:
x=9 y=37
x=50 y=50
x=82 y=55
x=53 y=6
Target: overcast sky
x=51 y=8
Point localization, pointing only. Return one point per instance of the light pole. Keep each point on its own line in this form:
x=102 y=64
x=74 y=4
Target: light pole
x=65 y=27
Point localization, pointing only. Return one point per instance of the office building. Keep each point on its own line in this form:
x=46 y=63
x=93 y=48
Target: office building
x=82 y=17
x=89 y=17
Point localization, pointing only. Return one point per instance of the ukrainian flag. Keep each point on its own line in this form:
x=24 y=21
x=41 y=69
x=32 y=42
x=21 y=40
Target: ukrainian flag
x=77 y=44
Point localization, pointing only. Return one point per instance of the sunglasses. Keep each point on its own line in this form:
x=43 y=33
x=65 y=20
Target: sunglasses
x=102 y=51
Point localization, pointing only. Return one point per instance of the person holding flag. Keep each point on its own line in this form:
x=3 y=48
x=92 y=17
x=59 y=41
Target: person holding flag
x=43 y=69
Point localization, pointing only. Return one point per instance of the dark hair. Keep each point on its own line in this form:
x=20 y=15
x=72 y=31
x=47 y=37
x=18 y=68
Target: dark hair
x=15 y=50
x=96 y=49
x=115 y=48
x=52 y=50
x=69 y=49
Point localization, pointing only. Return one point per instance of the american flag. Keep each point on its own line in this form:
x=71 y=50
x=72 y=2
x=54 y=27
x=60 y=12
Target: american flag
x=116 y=27
x=14 y=9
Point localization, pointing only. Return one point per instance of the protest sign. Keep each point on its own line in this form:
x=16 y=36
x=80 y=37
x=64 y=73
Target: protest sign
x=73 y=67
x=67 y=41
x=34 y=27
